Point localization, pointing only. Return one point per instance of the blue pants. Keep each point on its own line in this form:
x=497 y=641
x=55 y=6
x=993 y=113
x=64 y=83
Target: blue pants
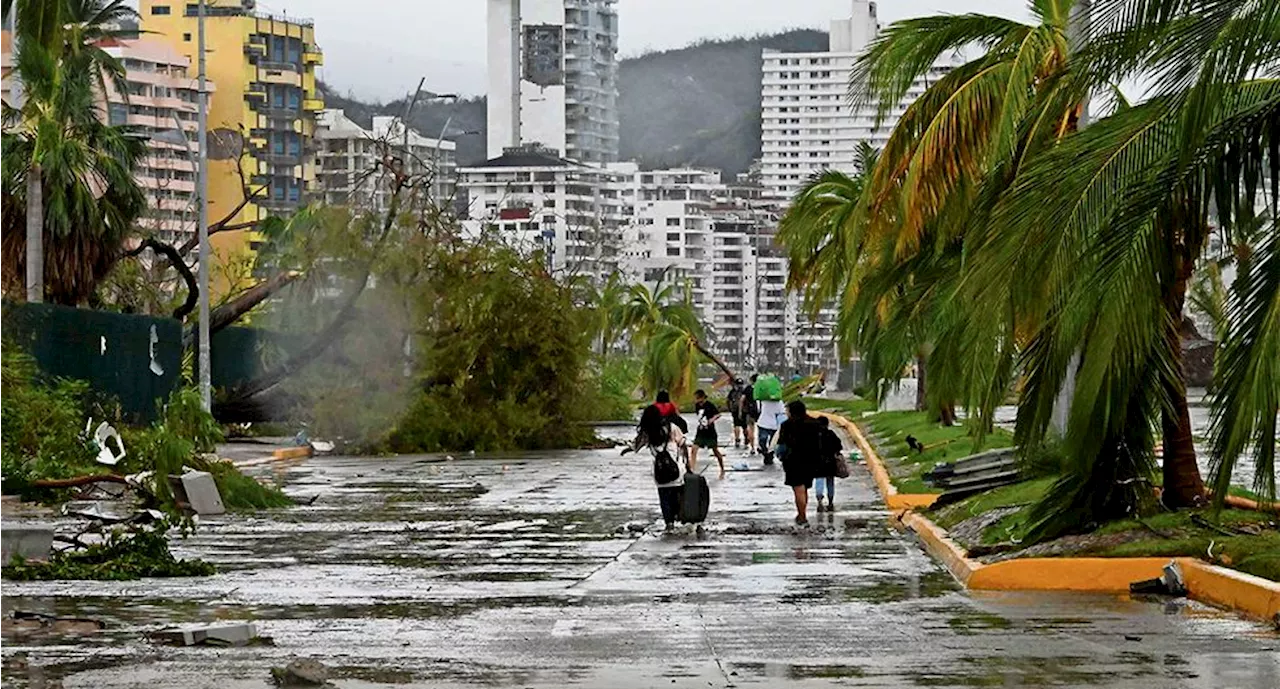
x=826 y=485
x=765 y=436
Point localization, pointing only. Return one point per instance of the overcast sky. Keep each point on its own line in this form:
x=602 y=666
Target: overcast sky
x=380 y=48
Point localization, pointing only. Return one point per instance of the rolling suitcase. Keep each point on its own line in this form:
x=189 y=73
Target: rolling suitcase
x=695 y=500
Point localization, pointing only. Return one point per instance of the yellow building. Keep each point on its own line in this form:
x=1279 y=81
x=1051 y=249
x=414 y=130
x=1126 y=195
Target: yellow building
x=263 y=117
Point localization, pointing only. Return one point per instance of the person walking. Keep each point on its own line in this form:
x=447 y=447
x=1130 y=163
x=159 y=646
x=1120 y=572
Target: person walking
x=706 y=436
x=734 y=401
x=767 y=391
x=829 y=449
x=662 y=430
x=750 y=414
x=798 y=443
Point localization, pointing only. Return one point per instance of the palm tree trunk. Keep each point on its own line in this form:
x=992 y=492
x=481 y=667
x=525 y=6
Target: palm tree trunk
x=1183 y=486
x=714 y=359
x=921 y=403
x=35 y=234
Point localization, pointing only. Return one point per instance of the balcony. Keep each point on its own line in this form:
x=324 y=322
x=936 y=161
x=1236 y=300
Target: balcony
x=278 y=158
x=313 y=104
x=311 y=55
x=255 y=50
x=256 y=92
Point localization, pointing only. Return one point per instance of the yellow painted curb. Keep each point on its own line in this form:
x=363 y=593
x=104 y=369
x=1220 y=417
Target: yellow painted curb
x=292 y=452
x=1227 y=588
x=892 y=499
x=1098 y=574
x=940 y=545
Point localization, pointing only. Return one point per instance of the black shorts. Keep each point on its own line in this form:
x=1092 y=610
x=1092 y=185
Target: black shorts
x=796 y=476
x=739 y=421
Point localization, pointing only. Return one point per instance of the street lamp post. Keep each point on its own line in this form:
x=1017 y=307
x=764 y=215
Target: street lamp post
x=202 y=228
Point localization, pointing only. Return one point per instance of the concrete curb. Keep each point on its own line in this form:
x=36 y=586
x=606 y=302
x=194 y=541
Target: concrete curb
x=892 y=499
x=292 y=452
x=1226 y=588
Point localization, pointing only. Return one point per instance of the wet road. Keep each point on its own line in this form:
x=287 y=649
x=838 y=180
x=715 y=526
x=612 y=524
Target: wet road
x=521 y=572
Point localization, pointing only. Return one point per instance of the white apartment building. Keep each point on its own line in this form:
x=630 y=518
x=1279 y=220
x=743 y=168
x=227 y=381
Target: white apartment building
x=349 y=158
x=553 y=77
x=807 y=122
x=541 y=201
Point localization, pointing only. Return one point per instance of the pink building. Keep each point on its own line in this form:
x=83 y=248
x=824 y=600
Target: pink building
x=161 y=106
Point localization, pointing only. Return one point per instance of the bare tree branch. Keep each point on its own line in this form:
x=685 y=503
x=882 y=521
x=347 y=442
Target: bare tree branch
x=166 y=250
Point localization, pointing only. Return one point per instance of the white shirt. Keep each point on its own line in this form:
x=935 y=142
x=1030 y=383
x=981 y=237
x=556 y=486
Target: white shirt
x=772 y=413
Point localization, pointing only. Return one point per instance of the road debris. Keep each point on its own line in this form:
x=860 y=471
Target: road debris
x=239 y=634
x=301 y=672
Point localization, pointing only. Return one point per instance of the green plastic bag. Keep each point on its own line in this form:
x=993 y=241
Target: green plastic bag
x=768 y=388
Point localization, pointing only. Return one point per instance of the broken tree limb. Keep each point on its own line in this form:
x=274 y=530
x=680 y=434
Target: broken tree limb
x=175 y=259
x=78 y=481
x=234 y=310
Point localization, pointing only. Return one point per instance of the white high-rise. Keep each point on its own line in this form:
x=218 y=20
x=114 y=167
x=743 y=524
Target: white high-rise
x=807 y=122
x=553 y=77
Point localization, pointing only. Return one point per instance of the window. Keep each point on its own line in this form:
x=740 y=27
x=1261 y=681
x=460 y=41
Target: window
x=186 y=37
x=673 y=222
x=673 y=236
x=673 y=251
x=159 y=9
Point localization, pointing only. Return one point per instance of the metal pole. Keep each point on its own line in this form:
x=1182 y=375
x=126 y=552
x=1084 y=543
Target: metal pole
x=202 y=188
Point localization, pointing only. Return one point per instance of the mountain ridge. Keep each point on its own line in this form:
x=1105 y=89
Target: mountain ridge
x=693 y=106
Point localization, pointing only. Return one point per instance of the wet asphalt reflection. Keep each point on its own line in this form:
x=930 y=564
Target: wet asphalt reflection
x=551 y=570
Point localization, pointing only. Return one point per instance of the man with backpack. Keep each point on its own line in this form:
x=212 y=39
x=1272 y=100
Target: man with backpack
x=662 y=430
x=706 y=436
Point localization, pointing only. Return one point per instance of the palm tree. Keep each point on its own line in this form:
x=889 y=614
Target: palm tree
x=892 y=240
x=75 y=171
x=664 y=323
x=1110 y=224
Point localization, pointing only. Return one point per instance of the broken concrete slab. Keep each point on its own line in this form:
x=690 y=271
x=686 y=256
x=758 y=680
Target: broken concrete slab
x=202 y=493
x=30 y=541
x=239 y=634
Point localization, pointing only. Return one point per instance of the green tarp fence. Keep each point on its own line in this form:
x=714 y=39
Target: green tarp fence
x=135 y=359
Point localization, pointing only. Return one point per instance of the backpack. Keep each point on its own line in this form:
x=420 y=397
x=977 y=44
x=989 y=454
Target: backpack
x=665 y=469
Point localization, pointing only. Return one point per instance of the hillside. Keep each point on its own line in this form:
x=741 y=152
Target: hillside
x=698 y=105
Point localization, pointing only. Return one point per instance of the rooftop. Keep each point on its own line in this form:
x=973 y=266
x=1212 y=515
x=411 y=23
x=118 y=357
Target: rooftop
x=528 y=155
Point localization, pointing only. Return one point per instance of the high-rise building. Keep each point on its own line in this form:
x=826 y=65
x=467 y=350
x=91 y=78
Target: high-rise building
x=262 y=123
x=349 y=156
x=553 y=77
x=807 y=121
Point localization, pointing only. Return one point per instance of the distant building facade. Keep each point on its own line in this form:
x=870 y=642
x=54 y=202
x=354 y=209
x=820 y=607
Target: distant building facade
x=538 y=200
x=807 y=124
x=264 y=118
x=553 y=77
x=349 y=159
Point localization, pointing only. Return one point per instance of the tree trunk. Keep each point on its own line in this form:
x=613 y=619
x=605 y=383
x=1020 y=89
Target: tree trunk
x=1183 y=486
x=234 y=310
x=921 y=404
x=35 y=234
x=714 y=359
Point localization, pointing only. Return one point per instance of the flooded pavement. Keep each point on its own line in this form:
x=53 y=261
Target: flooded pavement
x=522 y=572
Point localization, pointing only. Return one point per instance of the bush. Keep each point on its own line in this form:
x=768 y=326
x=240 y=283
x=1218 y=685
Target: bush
x=41 y=426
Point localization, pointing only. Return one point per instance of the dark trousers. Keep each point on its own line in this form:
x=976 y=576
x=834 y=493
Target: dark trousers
x=765 y=436
x=669 y=500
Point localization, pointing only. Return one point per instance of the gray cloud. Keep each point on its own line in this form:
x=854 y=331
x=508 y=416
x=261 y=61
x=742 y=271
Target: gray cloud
x=380 y=48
